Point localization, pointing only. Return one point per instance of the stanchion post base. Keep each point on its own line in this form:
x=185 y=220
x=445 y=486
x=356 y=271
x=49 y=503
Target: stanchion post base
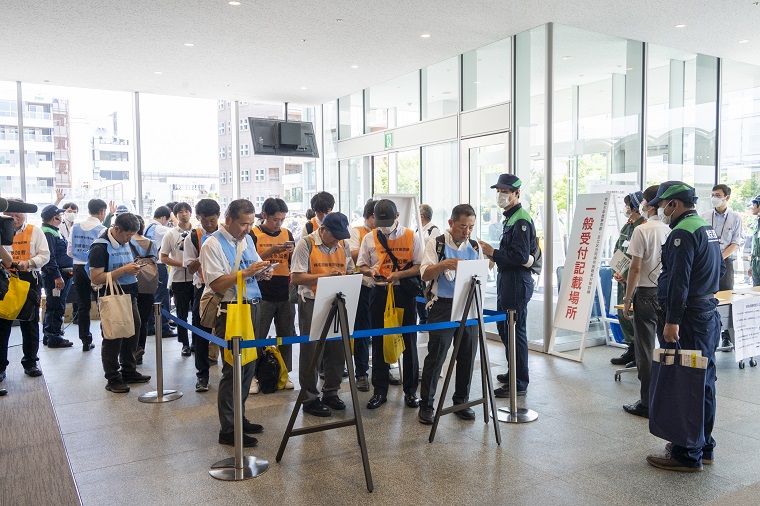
x=252 y=468
x=153 y=397
x=522 y=415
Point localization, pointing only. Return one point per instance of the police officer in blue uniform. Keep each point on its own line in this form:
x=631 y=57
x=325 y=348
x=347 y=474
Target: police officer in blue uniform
x=516 y=260
x=57 y=275
x=692 y=266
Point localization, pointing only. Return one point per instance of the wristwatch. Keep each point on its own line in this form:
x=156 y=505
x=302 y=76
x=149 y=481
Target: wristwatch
x=627 y=299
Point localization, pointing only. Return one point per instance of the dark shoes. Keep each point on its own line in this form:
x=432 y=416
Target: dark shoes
x=168 y=333
x=426 y=415
x=376 y=401
x=87 y=346
x=362 y=384
x=626 y=357
x=412 y=401
x=63 y=343
x=637 y=409
x=726 y=344
x=334 y=402
x=3 y=392
x=229 y=440
x=117 y=387
x=201 y=385
x=707 y=457
x=392 y=380
x=466 y=414
x=631 y=364
x=669 y=463
x=252 y=428
x=186 y=351
x=503 y=378
x=135 y=377
x=2 y=376
x=503 y=392
x=316 y=408
x=33 y=371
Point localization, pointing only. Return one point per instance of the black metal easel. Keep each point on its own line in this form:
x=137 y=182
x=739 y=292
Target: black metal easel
x=475 y=294
x=338 y=310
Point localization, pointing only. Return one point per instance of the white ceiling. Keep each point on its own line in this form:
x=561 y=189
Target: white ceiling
x=255 y=51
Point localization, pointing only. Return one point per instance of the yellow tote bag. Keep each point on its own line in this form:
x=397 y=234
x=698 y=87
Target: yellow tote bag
x=15 y=298
x=393 y=344
x=239 y=323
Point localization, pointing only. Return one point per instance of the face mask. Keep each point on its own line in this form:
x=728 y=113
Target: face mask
x=388 y=230
x=666 y=219
x=69 y=217
x=503 y=200
x=717 y=202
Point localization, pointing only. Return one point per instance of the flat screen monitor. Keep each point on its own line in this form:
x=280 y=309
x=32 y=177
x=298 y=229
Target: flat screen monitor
x=275 y=137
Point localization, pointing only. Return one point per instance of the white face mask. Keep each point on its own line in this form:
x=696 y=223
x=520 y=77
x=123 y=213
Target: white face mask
x=504 y=200
x=388 y=230
x=717 y=202
x=69 y=217
x=665 y=218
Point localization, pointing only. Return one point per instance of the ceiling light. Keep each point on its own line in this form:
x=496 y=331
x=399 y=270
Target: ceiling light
x=680 y=26
x=354 y=66
x=158 y=72
x=234 y=3
x=566 y=58
x=189 y=44
x=425 y=35
x=743 y=41
x=304 y=87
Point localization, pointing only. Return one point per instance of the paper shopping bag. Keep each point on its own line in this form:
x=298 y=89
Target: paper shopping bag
x=116 y=317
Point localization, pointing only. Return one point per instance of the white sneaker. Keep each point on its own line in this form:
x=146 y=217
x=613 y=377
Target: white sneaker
x=288 y=385
x=254 y=387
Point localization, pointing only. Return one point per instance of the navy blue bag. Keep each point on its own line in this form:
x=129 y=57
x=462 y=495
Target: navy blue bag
x=677 y=403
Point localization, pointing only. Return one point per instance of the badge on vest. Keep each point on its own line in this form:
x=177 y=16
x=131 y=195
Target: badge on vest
x=524 y=228
x=677 y=242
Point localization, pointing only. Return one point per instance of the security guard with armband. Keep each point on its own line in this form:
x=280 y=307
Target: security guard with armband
x=517 y=258
x=692 y=266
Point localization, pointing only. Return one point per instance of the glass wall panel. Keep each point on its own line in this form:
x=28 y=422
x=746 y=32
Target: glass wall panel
x=355 y=188
x=440 y=89
x=80 y=140
x=439 y=165
x=681 y=119
x=408 y=173
x=10 y=170
x=486 y=75
x=394 y=103
x=351 y=110
x=380 y=164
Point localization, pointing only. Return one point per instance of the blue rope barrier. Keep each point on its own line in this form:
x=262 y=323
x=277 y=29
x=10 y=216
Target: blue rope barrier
x=489 y=317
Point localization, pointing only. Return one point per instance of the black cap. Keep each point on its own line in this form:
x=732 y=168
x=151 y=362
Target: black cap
x=49 y=211
x=674 y=190
x=385 y=213
x=508 y=182
x=756 y=200
x=13 y=206
x=337 y=224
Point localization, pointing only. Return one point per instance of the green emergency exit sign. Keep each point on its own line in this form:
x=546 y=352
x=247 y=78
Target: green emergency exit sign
x=388 y=140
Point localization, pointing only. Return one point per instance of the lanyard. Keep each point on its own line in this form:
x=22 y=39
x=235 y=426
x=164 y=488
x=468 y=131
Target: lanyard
x=712 y=222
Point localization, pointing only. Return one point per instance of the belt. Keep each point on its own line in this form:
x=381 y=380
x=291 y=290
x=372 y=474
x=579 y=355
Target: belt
x=245 y=301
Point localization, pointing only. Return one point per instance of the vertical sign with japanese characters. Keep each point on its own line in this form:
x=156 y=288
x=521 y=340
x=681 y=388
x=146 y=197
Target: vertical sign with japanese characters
x=581 y=272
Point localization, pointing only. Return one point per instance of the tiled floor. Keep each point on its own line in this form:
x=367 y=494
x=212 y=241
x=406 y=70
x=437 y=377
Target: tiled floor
x=582 y=450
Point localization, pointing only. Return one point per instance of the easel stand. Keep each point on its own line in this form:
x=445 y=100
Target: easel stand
x=338 y=310
x=515 y=414
x=474 y=294
x=239 y=467
x=159 y=395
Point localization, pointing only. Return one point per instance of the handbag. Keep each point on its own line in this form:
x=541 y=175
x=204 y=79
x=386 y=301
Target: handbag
x=210 y=301
x=116 y=317
x=414 y=285
x=269 y=370
x=15 y=298
x=677 y=398
x=147 y=278
x=393 y=344
x=240 y=324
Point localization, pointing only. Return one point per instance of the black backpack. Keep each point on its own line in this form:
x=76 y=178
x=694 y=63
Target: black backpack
x=268 y=372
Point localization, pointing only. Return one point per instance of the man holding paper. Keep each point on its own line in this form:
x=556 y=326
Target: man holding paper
x=439 y=266
x=692 y=266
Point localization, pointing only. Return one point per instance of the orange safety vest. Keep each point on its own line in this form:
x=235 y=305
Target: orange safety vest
x=320 y=262
x=401 y=247
x=265 y=241
x=22 y=245
x=362 y=233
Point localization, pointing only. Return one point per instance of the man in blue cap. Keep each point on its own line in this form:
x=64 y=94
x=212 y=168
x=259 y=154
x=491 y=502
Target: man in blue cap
x=754 y=257
x=57 y=275
x=324 y=252
x=516 y=260
x=692 y=266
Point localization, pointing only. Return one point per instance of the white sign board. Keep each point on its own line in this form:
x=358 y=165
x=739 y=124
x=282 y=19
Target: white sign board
x=327 y=287
x=408 y=210
x=581 y=272
x=466 y=269
x=746 y=319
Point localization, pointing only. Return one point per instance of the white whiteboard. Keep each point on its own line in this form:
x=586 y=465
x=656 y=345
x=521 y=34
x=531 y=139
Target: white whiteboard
x=466 y=269
x=327 y=287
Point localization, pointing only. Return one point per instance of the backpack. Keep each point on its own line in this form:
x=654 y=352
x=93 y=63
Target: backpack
x=147 y=278
x=440 y=252
x=268 y=372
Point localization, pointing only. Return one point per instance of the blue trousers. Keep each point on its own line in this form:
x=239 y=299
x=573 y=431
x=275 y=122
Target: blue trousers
x=55 y=307
x=700 y=330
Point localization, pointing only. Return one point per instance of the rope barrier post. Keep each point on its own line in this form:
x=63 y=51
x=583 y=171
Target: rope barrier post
x=239 y=467
x=159 y=395
x=515 y=414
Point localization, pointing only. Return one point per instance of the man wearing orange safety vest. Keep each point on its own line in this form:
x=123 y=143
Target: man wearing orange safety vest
x=30 y=253
x=324 y=252
x=361 y=346
x=391 y=254
x=275 y=243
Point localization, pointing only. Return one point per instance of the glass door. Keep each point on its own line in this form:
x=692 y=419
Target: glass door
x=486 y=157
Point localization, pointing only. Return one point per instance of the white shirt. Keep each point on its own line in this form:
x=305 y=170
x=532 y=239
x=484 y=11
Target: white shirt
x=430 y=257
x=159 y=231
x=305 y=232
x=300 y=261
x=39 y=253
x=728 y=226
x=65 y=228
x=173 y=245
x=646 y=243
x=215 y=264
x=430 y=231
x=354 y=244
x=87 y=224
x=191 y=254
x=368 y=251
